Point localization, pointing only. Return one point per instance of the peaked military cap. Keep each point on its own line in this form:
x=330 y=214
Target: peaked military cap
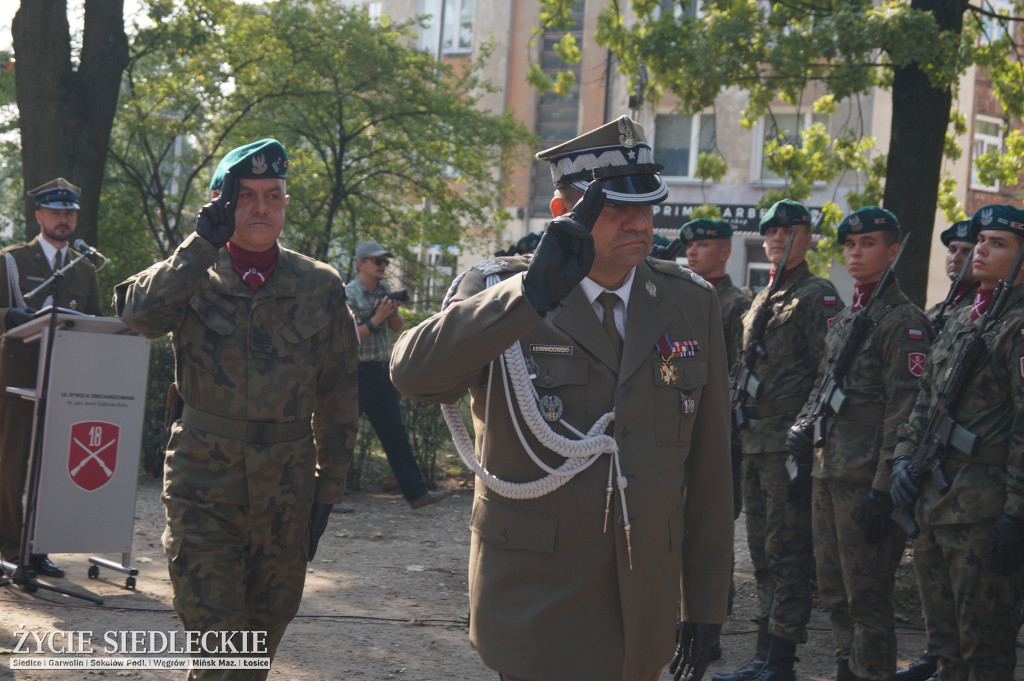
x=705 y=228
x=959 y=231
x=616 y=153
x=57 y=194
x=265 y=158
x=999 y=216
x=785 y=213
x=867 y=219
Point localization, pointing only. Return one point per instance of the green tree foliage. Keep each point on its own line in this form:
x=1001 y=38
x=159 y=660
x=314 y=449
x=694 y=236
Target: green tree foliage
x=829 y=51
x=384 y=142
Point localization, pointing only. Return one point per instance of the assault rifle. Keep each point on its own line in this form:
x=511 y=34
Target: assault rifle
x=831 y=398
x=940 y=319
x=745 y=383
x=942 y=430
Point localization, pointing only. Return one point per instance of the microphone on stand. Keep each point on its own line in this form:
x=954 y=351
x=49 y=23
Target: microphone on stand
x=80 y=245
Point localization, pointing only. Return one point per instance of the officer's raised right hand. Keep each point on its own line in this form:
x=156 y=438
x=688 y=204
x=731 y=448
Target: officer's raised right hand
x=565 y=253
x=216 y=221
x=16 y=316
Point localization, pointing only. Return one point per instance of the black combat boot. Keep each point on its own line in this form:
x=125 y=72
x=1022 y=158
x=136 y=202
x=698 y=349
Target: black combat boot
x=920 y=669
x=753 y=668
x=780 y=665
x=843 y=672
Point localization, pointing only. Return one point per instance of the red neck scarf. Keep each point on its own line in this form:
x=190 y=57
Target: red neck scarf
x=861 y=293
x=965 y=288
x=714 y=280
x=982 y=299
x=785 y=275
x=254 y=268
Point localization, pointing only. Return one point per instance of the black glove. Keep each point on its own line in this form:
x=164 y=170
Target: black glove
x=1007 y=544
x=216 y=221
x=694 y=644
x=565 y=253
x=874 y=514
x=801 y=449
x=317 y=524
x=16 y=316
x=668 y=252
x=903 y=490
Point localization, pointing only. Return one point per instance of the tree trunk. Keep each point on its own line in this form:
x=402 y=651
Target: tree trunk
x=920 y=117
x=66 y=115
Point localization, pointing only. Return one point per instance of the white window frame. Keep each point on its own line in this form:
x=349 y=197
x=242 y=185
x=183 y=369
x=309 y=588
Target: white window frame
x=430 y=35
x=992 y=28
x=983 y=142
x=695 y=129
x=757 y=169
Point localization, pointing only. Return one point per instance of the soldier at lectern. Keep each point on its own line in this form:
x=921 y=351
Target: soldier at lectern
x=23 y=268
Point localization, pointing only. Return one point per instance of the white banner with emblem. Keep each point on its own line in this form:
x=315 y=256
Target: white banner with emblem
x=92 y=434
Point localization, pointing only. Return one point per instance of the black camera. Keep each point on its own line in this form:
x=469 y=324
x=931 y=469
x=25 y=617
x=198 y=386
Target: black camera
x=401 y=295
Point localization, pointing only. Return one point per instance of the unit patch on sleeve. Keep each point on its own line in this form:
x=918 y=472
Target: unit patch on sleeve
x=915 y=362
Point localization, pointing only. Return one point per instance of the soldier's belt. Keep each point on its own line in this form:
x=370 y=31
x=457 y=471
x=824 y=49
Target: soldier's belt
x=763 y=411
x=255 y=432
x=863 y=413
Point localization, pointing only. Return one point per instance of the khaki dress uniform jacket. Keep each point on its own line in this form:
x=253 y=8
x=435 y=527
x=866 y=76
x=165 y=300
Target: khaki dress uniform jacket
x=272 y=377
x=552 y=596
x=79 y=291
x=971 y=611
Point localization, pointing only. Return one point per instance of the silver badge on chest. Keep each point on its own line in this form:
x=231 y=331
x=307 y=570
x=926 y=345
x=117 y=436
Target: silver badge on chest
x=552 y=408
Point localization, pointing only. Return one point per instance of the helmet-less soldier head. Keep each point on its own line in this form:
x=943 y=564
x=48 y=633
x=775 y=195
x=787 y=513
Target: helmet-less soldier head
x=999 y=230
x=56 y=210
x=958 y=240
x=781 y=220
x=708 y=246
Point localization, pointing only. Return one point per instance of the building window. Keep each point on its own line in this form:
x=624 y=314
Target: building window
x=988 y=136
x=993 y=29
x=374 y=9
x=679 y=140
x=678 y=8
x=787 y=129
x=458 y=26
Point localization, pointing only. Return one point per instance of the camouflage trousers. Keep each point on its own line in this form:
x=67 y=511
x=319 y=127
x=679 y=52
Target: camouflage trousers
x=971 y=613
x=855 y=579
x=234 y=570
x=779 y=537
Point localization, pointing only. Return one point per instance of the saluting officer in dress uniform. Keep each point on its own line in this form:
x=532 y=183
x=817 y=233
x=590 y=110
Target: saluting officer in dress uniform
x=581 y=581
x=23 y=268
x=857 y=548
x=265 y=361
x=778 y=518
x=970 y=550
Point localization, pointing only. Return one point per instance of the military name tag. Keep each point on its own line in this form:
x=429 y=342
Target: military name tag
x=540 y=349
x=551 y=407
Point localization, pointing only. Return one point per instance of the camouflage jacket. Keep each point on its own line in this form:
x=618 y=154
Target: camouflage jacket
x=880 y=386
x=78 y=291
x=991 y=407
x=283 y=354
x=735 y=304
x=795 y=343
x=966 y=299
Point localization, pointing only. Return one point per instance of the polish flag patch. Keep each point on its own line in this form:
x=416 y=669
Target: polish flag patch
x=830 y=300
x=915 y=362
x=915 y=334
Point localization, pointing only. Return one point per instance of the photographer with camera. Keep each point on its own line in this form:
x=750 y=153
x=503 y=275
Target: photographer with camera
x=375 y=308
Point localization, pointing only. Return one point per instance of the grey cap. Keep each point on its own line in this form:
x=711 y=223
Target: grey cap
x=370 y=249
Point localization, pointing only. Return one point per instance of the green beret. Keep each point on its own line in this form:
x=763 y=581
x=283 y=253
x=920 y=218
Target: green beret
x=998 y=216
x=867 y=219
x=266 y=158
x=785 y=213
x=528 y=243
x=960 y=231
x=704 y=228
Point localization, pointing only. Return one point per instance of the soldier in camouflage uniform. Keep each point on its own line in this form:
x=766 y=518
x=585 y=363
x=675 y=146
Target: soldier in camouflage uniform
x=972 y=537
x=23 y=267
x=856 y=546
x=265 y=362
x=958 y=241
x=794 y=343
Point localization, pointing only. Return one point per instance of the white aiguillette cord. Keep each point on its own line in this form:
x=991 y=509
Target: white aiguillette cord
x=579 y=454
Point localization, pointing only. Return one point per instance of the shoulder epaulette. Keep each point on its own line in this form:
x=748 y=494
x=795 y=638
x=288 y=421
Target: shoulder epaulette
x=502 y=265
x=678 y=271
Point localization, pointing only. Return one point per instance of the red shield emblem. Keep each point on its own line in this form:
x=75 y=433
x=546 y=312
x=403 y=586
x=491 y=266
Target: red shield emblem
x=92 y=454
x=915 y=362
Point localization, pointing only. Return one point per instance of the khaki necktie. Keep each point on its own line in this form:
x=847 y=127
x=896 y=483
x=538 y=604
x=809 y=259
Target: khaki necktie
x=608 y=302
x=57 y=261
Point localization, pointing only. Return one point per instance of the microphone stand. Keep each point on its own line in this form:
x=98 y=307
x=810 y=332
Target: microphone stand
x=23 y=574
